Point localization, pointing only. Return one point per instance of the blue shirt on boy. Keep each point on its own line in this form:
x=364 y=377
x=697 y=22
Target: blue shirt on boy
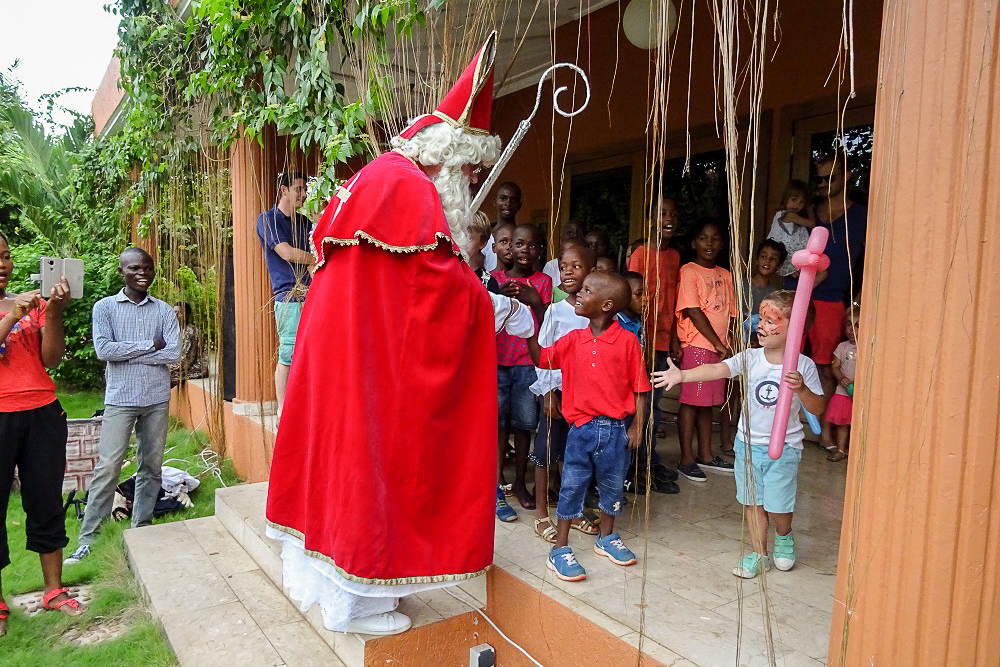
x=274 y=227
x=631 y=324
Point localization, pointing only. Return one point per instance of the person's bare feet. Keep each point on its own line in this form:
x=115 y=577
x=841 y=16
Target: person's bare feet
x=526 y=499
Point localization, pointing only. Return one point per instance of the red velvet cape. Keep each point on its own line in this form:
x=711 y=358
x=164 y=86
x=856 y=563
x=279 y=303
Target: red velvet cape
x=385 y=460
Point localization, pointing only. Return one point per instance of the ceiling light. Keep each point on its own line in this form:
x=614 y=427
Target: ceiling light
x=648 y=23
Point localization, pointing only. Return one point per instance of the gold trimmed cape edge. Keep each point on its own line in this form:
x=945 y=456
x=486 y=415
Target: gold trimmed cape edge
x=358 y=235
x=378 y=582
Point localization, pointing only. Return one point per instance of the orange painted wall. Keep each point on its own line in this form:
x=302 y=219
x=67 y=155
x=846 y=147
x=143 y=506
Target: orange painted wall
x=919 y=567
x=107 y=96
x=545 y=628
x=246 y=442
x=615 y=121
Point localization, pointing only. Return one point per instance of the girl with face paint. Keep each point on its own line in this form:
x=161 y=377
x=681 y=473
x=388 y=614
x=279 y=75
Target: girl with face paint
x=766 y=488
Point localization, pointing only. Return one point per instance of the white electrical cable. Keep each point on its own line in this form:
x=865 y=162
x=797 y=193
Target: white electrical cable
x=480 y=612
x=209 y=460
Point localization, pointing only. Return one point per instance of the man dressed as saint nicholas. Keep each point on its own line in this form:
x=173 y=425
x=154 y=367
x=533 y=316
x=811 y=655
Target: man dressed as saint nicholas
x=383 y=477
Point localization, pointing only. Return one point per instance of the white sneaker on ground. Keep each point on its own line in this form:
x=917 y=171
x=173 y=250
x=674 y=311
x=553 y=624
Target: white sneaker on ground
x=81 y=552
x=389 y=623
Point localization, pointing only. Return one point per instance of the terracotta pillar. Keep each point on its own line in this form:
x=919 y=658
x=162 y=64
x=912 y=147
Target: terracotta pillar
x=918 y=580
x=253 y=173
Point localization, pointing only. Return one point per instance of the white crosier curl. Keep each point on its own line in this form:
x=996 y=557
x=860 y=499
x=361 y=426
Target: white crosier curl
x=450 y=148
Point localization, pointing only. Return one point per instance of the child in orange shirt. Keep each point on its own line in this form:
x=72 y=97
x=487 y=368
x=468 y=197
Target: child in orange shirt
x=706 y=304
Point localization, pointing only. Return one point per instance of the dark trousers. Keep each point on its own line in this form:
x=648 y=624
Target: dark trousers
x=645 y=455
x=35 y=442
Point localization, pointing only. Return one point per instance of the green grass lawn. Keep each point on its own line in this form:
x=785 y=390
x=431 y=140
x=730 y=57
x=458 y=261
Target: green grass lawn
x=36 y=642
x=80 y=404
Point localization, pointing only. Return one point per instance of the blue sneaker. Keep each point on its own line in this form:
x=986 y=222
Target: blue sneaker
x=751 y=565
x=505 y=512
x=784 y=552
x=616 y=551
x=564 y=564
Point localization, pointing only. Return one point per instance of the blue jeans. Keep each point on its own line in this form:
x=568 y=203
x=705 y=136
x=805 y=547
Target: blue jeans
x=513 y=384
x=598 y=449
x=150 y=423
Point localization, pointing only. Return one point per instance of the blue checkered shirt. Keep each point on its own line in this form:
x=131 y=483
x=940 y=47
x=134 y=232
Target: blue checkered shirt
x=137 y=374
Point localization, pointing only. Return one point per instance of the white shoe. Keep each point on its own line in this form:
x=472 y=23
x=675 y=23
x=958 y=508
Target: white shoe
x=389 y=623
x=81 y=552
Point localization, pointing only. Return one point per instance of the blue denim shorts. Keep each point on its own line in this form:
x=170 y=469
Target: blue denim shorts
x=286 y=318
x=550 y=441
x=774 y=482
x=513 y=384
x=598 y=449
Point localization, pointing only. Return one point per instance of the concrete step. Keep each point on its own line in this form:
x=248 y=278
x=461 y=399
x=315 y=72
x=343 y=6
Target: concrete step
x=241 y=510
x=217 y=607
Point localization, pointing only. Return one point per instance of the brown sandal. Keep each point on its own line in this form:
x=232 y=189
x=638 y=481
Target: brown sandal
x=837 y=455
x=71 y=602
x=585 y=526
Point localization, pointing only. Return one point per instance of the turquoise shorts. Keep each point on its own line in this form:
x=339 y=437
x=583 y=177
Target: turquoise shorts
x=286 y=317
x=765 y=482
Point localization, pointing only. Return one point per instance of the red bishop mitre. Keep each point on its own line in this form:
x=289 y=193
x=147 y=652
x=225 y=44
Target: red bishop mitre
x=467 y=105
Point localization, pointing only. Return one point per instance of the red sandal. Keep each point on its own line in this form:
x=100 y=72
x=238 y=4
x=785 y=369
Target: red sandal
x=4 y=615
x=71 y=602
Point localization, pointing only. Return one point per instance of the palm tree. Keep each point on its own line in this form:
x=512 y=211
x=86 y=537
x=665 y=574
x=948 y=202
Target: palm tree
x=36 y=169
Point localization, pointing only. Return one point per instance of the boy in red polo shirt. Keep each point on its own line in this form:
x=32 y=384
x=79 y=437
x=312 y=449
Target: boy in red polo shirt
x=604 y=381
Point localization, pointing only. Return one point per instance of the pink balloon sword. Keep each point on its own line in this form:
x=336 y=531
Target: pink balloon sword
x=808 y=260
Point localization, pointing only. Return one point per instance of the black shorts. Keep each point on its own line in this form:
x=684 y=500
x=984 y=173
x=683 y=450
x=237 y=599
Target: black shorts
x=550 y=440
x=35 y=442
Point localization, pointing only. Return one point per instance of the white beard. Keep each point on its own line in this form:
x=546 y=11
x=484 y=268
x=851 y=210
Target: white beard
x=456 y=198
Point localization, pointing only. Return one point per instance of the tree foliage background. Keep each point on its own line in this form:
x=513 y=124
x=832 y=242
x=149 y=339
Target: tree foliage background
x=57 y=201
x=221 y=72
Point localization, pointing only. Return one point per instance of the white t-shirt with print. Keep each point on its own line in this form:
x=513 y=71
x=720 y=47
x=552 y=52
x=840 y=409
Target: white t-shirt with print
x=764 y=380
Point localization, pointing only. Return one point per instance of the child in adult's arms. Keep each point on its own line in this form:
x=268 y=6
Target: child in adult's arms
x=766 y=488
x=33 y=429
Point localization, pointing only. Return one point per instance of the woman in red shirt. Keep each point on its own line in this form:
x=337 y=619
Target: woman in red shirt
x=33 y=429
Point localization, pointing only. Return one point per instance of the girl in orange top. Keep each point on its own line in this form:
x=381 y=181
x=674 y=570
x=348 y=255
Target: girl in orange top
x=706 y=306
